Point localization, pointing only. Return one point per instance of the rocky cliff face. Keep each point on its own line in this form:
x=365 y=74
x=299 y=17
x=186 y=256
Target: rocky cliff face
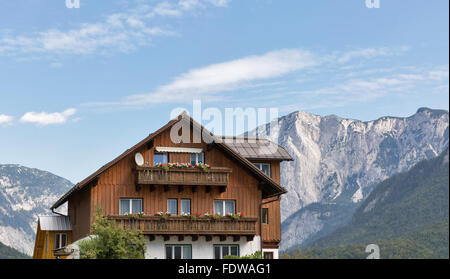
x=26 y=193
x=338 y=161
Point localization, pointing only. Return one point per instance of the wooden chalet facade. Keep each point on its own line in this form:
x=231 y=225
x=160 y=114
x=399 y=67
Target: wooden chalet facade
x=242 y=178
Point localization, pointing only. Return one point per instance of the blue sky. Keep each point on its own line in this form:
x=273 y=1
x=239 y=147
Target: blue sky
x=79 y=86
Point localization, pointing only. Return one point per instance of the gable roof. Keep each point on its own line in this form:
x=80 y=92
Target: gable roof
x=270 y=187
x=55 y=223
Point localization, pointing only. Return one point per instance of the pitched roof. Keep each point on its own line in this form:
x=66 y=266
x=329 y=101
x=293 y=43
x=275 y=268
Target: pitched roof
x=257 y=148
x=273 y=190
x=55 y=223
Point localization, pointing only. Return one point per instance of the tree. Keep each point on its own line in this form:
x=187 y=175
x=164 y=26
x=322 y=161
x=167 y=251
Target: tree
x=111 y=241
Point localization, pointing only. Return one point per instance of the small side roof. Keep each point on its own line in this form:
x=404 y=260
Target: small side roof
x=253 y=148
x=55 y=223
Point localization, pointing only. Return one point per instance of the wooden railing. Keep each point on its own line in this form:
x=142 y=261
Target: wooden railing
x=178 y=225
x=174 y=176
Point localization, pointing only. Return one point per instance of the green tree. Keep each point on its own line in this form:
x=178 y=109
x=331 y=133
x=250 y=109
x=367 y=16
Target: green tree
x=111 y=241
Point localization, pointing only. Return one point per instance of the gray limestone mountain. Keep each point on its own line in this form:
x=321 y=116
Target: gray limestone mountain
x=26 y=193
x=338 y=161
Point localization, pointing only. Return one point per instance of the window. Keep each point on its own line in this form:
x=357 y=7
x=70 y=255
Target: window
x=172 y=206
x=265 y=168
x=221 y=251
x=128 y=206
x=185 y=206
x=265 y=216
x=60 y=240
x=197 y=158
x=224 y=207
x=160 y=158
x=268 y=255
x=178 y=252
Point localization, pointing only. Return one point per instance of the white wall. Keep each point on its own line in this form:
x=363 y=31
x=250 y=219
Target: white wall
x=201 y=249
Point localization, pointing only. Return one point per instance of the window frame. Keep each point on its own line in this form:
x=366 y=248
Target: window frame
x=131 y=205
x=181 y=206
x=229 y=250
x=265 y=218
x=196 y=161
x=60 y=234
x=160 y=153
x=260 y=167
x=176 y=202
x=172 y=246
x=224 y=206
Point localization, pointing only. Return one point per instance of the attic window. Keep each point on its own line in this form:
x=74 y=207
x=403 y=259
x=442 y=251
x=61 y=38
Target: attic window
x=197 y=158
x=160 y=158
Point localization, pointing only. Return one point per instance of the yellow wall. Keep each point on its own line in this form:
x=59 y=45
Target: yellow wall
x=45 y=243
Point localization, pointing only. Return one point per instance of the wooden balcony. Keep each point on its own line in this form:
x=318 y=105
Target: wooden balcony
x=174 y=176
x=180 y=226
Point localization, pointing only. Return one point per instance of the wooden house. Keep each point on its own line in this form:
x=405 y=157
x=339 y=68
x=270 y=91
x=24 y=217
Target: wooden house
x=202 y=175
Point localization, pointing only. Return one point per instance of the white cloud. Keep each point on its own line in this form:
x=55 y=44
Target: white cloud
x=227 y=76
x=273 y=67
x=369 y=53
x=358 y=90
x=219 y=3
x=44 y=118
x=5 y=119
x=439 y=73
x=117 y=32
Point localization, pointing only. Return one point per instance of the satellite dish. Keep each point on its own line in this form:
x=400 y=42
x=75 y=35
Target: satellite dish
x=139 y=159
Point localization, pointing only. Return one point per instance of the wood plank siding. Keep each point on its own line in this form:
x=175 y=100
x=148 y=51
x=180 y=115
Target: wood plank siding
x=179 y=225
x=231 y=177
x=272 y=230
x=45 y=243
x=119 y=182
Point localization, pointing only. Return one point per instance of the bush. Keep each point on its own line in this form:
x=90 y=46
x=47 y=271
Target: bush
x=112 y=242
x=256 y=255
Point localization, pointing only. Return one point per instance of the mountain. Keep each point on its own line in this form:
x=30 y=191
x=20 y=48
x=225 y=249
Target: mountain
x=407 y=215
x=11 y=253
x=26 y=193
x=338 y=161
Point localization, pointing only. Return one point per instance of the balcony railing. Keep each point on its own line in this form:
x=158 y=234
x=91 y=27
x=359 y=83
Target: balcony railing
x=155 y=175
x=178 y=225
